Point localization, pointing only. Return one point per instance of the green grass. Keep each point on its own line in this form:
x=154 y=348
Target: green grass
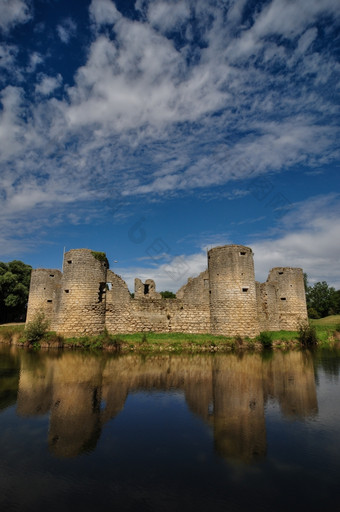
x=331 y=321
x=180 y=342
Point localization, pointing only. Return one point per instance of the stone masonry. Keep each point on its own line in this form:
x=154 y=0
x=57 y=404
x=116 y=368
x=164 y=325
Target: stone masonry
x=225 y=299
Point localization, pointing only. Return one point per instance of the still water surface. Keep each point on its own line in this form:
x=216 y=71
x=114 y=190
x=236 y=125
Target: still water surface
x=169 y=433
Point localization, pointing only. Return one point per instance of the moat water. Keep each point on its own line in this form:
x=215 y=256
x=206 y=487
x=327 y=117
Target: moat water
x=229 y=432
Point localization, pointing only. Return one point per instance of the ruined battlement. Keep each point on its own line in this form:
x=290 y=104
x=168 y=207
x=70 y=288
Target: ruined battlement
x=225 y=299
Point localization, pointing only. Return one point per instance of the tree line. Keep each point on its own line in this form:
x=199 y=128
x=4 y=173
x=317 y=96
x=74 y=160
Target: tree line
x=15 y=279
x=322 y=300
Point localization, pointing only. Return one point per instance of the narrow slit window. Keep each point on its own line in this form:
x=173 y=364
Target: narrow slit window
x=67 y=291
x=242 y=253
x=69 y=262
x=51 y=275
x=49 y=300
x=245 y=289
x=283 y=298
x=280 y=273
x=146 y=289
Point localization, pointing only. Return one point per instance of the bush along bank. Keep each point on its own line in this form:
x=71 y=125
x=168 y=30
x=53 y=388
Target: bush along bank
x=36 y=335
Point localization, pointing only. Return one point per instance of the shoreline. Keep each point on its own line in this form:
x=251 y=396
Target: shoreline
x=149 y=342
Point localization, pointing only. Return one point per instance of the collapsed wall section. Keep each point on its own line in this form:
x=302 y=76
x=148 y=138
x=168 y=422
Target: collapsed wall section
x=290 y=296
x=118 y=305
x=189 y=313
x=83 y=294
x=44 y=294
x=233 y=306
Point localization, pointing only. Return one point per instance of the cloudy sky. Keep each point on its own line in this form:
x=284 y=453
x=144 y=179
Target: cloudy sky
x=155 y=129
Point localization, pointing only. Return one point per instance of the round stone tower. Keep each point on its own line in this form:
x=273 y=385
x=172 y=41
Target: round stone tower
x=233 y=307
x=44 y=294
x=82 y=300
x=290 y=296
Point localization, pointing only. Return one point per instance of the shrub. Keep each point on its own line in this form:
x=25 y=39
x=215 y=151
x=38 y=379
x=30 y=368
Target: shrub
x=238 y=341
x=312 y=313
x=36 y=328
x=265 y=339
x=101 y=256
x=307 y=335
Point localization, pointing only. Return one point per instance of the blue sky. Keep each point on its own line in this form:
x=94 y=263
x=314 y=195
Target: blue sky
x=154 y=130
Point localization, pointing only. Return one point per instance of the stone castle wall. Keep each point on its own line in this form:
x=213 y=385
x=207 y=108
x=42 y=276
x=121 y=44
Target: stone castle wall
x=146 y=312
x=44 y=293
x=82 y=297
x=233 y=305
x=290 y=296
x=88 y=297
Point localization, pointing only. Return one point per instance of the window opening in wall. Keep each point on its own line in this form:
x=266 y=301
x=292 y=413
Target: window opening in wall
x=49 y=300
x=109 y=286
x=242 y=253
x=101 y=292
x=280 y=273
x=245 y=289
x=283 y=298
x=69 y=261
x=206 y=283
x=146 y=289
x=51 y=275
x=67 y=291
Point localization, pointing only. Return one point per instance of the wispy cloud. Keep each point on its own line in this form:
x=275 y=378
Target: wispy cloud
x=187 y=95
x=310 y=240
x=14 y=12
x=66 y=30
x=48 y=84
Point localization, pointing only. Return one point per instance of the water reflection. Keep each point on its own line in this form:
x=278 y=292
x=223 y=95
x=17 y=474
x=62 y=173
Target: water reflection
x=229 y=392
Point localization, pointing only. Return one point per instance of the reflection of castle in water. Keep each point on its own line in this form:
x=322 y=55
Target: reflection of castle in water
x=229 y=392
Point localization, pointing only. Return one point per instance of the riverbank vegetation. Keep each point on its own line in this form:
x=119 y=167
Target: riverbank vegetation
x=320 y=333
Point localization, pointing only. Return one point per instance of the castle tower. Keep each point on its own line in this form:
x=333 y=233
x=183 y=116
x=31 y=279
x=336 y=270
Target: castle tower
x=44 y=294
x=291 y=298
x=82 y=300
x=233 y=307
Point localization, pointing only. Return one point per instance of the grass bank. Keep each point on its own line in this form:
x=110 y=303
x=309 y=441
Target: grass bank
x=324 y=332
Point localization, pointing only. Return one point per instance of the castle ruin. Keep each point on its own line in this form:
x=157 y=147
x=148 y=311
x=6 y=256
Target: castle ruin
x=87 y=297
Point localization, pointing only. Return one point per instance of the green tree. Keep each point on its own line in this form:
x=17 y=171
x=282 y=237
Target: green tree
x=320 y=299
x=168 y=295
x=14 y=285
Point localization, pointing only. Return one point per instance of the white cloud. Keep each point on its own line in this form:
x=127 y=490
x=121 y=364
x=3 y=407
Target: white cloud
x=167 y=276
x=168 y=16
x=104 y=12
x=11 y=125
x=289 y=18
x=154 y=117
x=34 y=61
x=8 y=55
x=311 y=241
x=14 y=12
x=48 y=84
x=66 y=30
